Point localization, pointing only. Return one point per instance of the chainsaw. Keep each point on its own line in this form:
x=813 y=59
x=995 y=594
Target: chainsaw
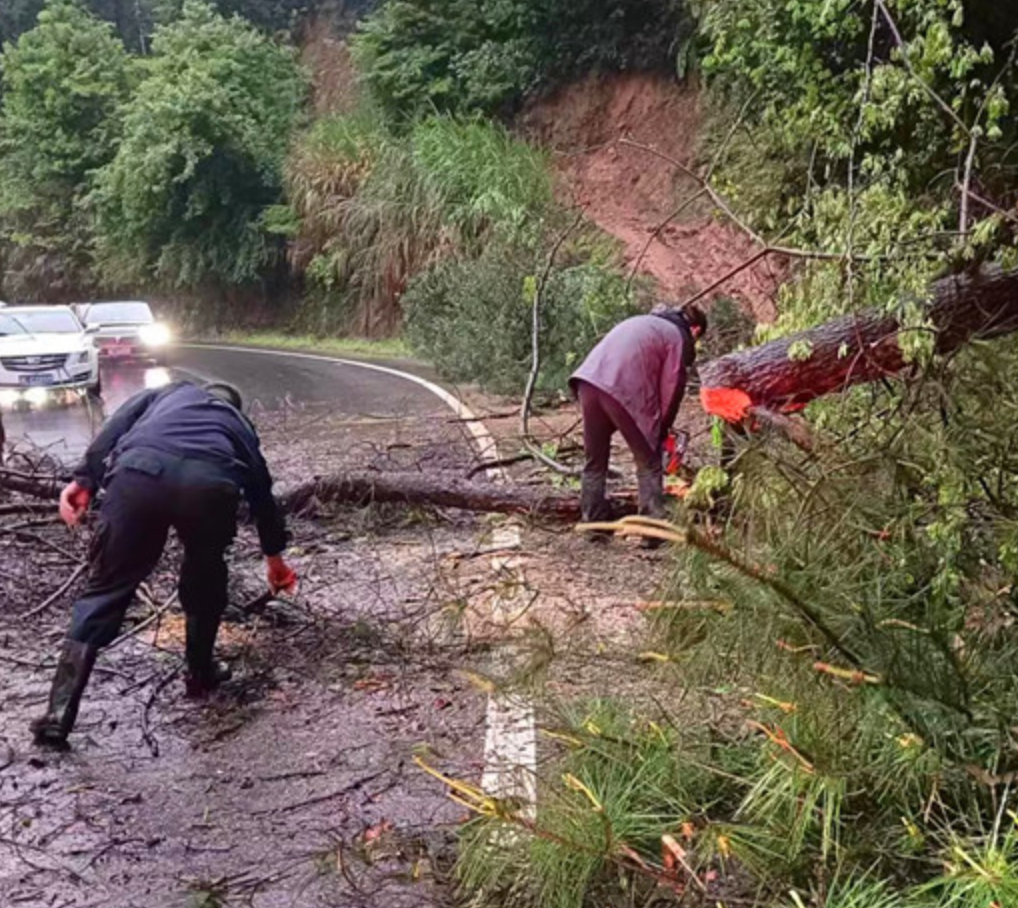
x=675 y=447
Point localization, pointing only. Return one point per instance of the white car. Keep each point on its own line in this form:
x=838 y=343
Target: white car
x=44 y=353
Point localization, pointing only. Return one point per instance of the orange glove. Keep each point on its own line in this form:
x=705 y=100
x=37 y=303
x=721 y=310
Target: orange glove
x=282 y=577
x=74 y=502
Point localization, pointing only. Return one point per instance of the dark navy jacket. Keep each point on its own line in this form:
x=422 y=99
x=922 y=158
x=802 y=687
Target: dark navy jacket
x=185 y=422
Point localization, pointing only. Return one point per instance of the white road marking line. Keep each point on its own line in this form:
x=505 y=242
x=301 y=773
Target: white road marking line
x=510 y=742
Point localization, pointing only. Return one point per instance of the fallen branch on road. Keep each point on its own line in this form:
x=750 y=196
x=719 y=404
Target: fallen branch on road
x=39 y=609
x=46 y=487
x=444 y=490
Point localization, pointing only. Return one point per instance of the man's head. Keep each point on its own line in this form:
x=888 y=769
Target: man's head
x=226 y=393
x=692 y=318
x=696 y=318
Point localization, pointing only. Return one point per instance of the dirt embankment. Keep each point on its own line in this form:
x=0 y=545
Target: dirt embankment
x=629 y=193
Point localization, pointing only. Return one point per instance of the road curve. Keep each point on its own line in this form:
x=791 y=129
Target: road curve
x=268 y=380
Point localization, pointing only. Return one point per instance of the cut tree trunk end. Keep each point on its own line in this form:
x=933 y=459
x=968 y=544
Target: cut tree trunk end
x=855 y=349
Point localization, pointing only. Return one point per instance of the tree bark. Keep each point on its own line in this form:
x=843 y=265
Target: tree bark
x=863 y=348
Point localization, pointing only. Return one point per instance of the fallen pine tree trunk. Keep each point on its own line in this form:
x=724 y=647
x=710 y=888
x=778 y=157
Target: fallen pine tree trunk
x=447 y=490
x=855 y=349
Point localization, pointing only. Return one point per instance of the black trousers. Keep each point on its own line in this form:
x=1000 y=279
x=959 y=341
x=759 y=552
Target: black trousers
x=148 y=494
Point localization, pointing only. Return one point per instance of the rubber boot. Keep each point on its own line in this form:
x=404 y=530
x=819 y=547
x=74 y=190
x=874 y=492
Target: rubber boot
x=650 y=484
x=204 y=674
x=594 y=507
x=73 y=670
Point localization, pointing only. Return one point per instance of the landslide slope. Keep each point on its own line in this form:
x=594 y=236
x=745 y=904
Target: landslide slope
x=629 y=193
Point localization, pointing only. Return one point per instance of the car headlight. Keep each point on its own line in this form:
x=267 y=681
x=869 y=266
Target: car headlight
x=80 y=358
x=154 y=335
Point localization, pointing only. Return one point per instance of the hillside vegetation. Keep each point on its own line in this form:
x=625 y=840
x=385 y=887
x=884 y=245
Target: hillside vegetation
x=834 y=718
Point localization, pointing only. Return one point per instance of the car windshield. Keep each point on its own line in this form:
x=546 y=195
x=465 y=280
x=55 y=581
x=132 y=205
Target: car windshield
x=10 y=326
x=119 y=314
x=45 y=321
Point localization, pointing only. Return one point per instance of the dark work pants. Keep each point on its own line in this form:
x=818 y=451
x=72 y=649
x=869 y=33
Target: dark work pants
x=142 y=502
x=603 y=416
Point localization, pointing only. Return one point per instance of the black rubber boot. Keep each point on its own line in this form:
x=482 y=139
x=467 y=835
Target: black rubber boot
x=594 y=506
x=73 y=670
x=204 y=674
x=650 y=484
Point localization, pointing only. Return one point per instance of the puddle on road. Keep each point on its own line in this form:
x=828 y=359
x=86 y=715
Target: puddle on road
x=64 y=431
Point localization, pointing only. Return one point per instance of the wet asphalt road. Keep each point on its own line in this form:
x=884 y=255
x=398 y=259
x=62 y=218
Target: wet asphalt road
x=268 y=381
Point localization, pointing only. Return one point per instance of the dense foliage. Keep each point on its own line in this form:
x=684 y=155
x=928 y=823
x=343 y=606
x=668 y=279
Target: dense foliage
x=135 y=20
x=830 y=720
x=474 y=318
x=205 y=136
x=63 y=86
x=868 y=127
x=463 y=56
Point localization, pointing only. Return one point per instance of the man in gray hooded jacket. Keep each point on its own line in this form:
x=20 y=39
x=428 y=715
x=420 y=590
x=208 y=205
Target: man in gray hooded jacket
x=633 y=382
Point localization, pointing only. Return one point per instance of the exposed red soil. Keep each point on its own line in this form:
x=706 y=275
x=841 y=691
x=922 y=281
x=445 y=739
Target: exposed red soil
x=628 y=192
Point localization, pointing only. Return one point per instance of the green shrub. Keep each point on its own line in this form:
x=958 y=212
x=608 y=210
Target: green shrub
x=461 y=56
x=473 y=318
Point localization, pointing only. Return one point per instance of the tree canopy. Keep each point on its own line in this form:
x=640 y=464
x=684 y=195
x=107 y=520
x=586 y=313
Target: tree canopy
x=204 y=140
x=64 y=83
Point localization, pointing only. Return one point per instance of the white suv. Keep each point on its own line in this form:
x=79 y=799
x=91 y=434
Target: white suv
x=44 y=351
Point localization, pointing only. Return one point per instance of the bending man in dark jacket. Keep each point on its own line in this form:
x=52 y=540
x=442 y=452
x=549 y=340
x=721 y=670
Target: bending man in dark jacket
x=633 y=382
x=175 y=457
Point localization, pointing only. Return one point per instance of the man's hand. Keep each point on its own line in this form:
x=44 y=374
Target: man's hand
x=282 y=577
x=74 y=501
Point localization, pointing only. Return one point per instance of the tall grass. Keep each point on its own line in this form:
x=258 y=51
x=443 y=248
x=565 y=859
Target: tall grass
x=373 y=207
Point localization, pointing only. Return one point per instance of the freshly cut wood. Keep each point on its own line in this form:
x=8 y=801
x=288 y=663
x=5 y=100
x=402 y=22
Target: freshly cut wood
x=856 y=349
x=447 y=490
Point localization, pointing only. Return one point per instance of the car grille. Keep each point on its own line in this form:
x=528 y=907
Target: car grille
x=43 y=363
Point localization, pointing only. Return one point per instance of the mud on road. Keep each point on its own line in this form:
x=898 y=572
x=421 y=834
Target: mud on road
x=296 y=785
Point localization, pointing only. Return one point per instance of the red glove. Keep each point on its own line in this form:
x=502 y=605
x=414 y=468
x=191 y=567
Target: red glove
x=282 y=577
x=74 y=502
